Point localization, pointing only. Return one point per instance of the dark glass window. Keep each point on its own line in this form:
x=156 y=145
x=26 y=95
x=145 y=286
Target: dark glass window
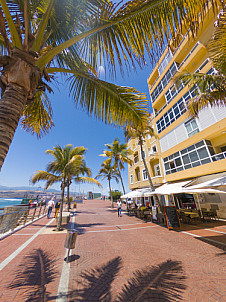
x=211 y=150
x=203 y=153
x=176 y=111
x=199 y=144
x=180 y=169
x=183 y=151
x=167 y=166
x=193 y=156
x=187 y=166
x=186 y=159
x=176 y=154
x=197 y=163
x=205 y=161
x=178 y=162
x=190 y=148
x=172 y=164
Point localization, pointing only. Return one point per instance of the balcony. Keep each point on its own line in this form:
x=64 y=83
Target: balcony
x=219 y=156
x=153 y=155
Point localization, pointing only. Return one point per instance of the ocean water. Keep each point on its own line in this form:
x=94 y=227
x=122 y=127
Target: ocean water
x=9 y=202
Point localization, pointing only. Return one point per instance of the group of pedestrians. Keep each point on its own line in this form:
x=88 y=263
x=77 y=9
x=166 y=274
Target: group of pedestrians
x=51 y=205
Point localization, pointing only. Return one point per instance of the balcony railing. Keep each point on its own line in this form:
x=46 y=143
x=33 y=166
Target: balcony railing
x=188 y=55
x=219 y=156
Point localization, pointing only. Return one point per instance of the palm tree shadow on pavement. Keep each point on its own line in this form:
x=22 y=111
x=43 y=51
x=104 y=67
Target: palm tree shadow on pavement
x=164 y=282
x=33 y=276
x=97 y=283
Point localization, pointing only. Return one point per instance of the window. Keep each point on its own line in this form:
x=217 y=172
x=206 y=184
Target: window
x=165 y=62
x=157 y=170
x=154 y=149
x=190 y=157
x=165 y=80
x=131 y=179
x=145 y=175
x=191 y=127
x=138 y=176
x=136 y=158
x=143 y=152
x=176 y=111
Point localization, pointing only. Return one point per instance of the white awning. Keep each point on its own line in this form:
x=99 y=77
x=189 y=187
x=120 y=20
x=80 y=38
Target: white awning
x=135 y=193
x=189 y=190
x=213 y=183
x=168 y=189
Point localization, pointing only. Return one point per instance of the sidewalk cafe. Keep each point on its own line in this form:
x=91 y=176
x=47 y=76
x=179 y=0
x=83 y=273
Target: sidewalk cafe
x=193 y=203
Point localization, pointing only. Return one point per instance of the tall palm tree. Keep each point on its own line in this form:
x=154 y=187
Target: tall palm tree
x=212 y=87
x=140 y=134
x=109 y=172
x=58 y=171
x=40 y=39
x=118 y=155
x=77 y=175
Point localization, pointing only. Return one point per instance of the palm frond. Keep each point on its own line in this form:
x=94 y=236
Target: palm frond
x=43 y=175
x=108 y=102
x=217 y=44
x=37 y=116
x=214 y=98
x=122 y=33
x=90 y=180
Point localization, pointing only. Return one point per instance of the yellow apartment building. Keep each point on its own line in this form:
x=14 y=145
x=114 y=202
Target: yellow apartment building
x=187 y=148
x=137 y=173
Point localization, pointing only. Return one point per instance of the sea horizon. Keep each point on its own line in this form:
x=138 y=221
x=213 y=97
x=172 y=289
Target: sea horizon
x=9 y=202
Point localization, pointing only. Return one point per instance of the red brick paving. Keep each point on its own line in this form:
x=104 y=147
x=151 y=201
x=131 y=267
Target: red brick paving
x=20 y=279
x=119 y=259
x=107 y=261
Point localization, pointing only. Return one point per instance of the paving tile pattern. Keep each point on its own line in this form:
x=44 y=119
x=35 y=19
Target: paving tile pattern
x=39 y=264
x=115 y=261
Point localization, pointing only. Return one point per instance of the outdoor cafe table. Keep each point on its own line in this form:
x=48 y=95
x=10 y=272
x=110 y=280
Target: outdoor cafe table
x=192 y=214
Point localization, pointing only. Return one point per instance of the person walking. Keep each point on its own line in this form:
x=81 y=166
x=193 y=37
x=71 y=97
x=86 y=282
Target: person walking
x=119 y=205
x=50 y=206
x=57 y=207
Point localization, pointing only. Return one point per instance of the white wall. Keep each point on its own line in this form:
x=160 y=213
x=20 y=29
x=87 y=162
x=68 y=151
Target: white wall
x=206 y=118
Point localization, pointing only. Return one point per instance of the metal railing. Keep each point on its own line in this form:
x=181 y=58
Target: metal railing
x=219 y=156
x=9 y=221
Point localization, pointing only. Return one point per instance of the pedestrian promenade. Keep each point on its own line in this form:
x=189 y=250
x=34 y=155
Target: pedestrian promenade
x=115 y=259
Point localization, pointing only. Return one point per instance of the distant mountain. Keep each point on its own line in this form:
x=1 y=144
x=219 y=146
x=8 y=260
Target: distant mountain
x=23 y=188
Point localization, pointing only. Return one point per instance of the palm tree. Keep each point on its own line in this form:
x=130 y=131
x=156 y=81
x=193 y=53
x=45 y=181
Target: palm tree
x=118 y=154
x=76 y=171
x=212 y=87
x=139 y=134
x=109 y=172
x=77 y=174
x=58 y=171
x=40 y=39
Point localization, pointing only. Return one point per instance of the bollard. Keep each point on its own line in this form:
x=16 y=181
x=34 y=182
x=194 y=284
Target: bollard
x=70 y=241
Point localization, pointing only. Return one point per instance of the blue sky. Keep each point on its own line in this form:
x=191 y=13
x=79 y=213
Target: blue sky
x=72 y=126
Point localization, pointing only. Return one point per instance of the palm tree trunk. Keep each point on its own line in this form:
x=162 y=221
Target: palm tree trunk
x=121 y=181
x=112 y=203
x=68 y=198
x=11 y=108
x=61 y=208
x=155 y=196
